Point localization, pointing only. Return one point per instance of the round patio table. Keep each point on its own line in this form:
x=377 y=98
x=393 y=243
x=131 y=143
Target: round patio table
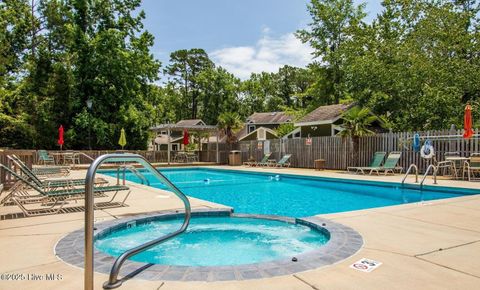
x=60 y=157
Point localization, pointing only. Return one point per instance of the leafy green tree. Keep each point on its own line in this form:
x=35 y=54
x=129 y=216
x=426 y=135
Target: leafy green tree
x=284 y=129
x=15 y=25
x=416 y=63
x=285 y=79
x=15 y=39
x=333 y=23
x=229 y=122
x=357 y=123
x=185 y=66
x=255 y=92
x=320 y=90
x=111 y=65
x=218 y=93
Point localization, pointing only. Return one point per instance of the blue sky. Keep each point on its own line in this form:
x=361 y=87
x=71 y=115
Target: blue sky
x=243 y=36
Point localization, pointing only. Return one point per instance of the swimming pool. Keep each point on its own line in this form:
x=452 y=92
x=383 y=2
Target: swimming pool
x=292 y=195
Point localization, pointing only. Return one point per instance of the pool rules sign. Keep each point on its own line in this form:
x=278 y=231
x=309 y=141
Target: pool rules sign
x=365 y=265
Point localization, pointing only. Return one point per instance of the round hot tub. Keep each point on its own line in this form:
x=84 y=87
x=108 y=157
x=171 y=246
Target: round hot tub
x=214 y=241
x=217 y=246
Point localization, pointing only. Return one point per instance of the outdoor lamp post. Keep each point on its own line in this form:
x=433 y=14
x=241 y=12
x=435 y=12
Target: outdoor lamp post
x=89 y=106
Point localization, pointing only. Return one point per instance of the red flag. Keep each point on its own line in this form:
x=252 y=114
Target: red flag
x=185 y=137
x=60 y=137
x=467 y=119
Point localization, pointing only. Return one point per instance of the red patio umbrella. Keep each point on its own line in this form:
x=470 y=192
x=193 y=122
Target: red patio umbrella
x=186 y=141
x=60 y=137
x=467 y=120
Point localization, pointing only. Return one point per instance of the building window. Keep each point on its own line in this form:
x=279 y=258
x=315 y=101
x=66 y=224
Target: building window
x=174 y=147
x=251 y=128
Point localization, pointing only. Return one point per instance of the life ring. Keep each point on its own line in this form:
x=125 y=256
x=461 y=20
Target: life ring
x=427 y=151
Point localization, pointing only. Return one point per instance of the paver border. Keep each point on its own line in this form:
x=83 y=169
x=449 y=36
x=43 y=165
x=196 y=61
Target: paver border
x=343 y=243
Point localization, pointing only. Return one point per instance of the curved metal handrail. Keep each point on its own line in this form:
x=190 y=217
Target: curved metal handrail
x=85 y=155
x=113 y=281
x=431 y=166
x=412 y=166
x=135 y=172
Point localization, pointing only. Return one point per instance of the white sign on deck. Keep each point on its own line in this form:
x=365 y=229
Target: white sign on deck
x=365 y=265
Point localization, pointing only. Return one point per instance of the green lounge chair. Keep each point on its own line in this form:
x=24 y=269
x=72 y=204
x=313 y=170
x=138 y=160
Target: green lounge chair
x=44 y=158
x=49 y=200
x=284 y=162
x=263 y=161
x=266 y=161
x=62 y=193
x=50 y=184
x=390 y=165
x=51 y=171
x=376 y=162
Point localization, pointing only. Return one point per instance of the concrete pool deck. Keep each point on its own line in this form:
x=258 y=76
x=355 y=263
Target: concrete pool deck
x=435 y=245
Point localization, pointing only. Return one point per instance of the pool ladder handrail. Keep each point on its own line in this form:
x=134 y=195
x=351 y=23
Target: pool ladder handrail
x=133 y=170
x=113 y=281
x=412 y=166
x=435 y=169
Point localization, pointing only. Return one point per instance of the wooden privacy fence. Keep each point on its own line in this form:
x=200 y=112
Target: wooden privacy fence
x=332 y=149
x=337 y=151
x=27 y=156
x=30 y=157
x=209 y=152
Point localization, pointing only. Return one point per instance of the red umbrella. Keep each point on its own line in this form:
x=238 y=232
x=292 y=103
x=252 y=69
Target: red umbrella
x=467 y=119
x=60 y=137
x=185 y=137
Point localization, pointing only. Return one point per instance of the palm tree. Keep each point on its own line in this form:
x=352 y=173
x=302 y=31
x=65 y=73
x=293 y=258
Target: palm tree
x=356 y=123
x=229 y=122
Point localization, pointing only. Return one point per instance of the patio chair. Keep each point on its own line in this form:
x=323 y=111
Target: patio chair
x=51 y=183
x=49 y=200
x=180 y=156
x=191 y=157
x=263 y=161
x=376 y=162
x=44 y=158
x=390 y=164
x=46 y=171
x=284 y=162
x=454 y=166
x=71 y=158
x=472 y=166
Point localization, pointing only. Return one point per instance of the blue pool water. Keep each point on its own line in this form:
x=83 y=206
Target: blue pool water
x=293 y=196
x=215 y=241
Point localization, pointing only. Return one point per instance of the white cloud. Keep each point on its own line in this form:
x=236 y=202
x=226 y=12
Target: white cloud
x=268 y=54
